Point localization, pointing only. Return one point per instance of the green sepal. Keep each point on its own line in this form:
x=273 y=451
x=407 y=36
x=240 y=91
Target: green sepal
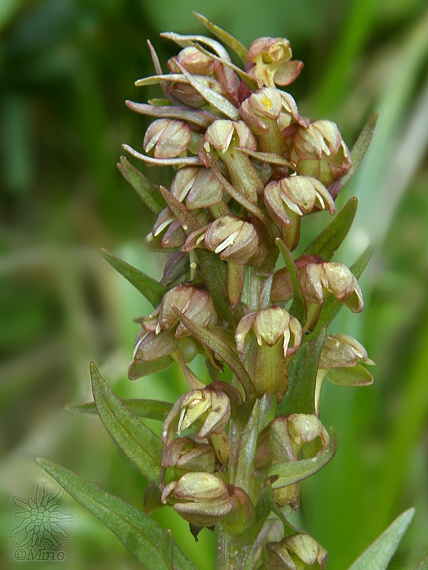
x=134 y=438
x=350 y=376
x=148 y=192
x=150 y=409
x=380 y=552
x=139 y=534
x=224 y=37
x=302 y=375
x=145 y=368
x=331 y=306
x=359 y=149
x=294 y=471
x=150 y=288
x=328 y=241
x=298 y=306
x=221 y=350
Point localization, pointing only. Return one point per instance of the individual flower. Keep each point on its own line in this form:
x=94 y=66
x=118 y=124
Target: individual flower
x=341 y=350
x=152 y=353
x=195 y=303
x=186 y=454
x=296 y=552
x=167 y=138
x=270 y=59
x=260 y=108
x=197 y=187
x=318 y=150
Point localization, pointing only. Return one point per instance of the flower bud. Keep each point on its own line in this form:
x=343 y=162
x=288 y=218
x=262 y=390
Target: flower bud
x=167 y=137
x=189 y=455
x=341 y=350
x=298 y=194
x=197 y=186
x=193 y=60
x=232 y=238
x=264 y=104
x=223 y=135
x=319 y=151
x=202 y=499
x=271 y=62
x=296 y=552
x=151 y=353
x=210 y=407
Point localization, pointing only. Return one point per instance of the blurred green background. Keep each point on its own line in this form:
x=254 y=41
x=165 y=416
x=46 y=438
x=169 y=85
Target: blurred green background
x=66 y=67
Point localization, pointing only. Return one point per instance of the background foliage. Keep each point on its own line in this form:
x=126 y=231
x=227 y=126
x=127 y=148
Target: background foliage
x=66 y=67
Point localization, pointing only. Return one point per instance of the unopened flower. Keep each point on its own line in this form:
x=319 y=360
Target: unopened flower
x=260 y=108
x=195 y=303
x=232 y=238
x=151 y=353
x=189 y=455
x=296 y=552
x=318 y=150
x=197 y=187
x=167 y=138
x=271 y=62
x=298 y=194
x=223 y=135
x=210 y=407
x=200 y=498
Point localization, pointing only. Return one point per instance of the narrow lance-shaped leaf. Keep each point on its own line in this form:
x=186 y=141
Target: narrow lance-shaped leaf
x=380 y=552
x=359 y=149
x=302 y=374
x=328 y=241
x=220 y=349
x=140 y=535
x=298 y=307
x=150 y=288
x=224 y=37
x=150 y=409
x=135 y=439
x=295 y=471
x=331 y=306
x=148 y=193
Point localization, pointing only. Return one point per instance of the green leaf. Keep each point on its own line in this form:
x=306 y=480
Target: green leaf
x=135 y=439
x=350 y=376
x=359 y=149
x=148 y=192
x=331 y=306
x=150 y=288
x=138 y=533
x=302 y=374
x=213 y=271
x=298 y=307
x=221 y=350
x=225 y=38
x=150 y=409
x=328 y=241
x=380 y=552
x=294 y=471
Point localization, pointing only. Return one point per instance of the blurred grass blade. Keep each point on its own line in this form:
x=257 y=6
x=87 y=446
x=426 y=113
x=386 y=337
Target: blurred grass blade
x=298 y=307
x=134 y=438
x=380 y=552
x=220 y=349
x=294 y=471
x=422 y=565
x=150 y=288
x=360 y=148
x=302 y=374
x=148 y=193
x=150 y=409
x=224 y=37
x=139 y=534
x=329 y=240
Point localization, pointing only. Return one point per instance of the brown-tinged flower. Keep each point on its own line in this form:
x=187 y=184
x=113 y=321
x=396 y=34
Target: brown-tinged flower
x=296 y=552
x=208 y=406
x=260 y=108
x=195 y=303
x=318 y=280
x=318 y=150
x=222 y=135
x=271 y=62
x=341 y=350
x=232 y=238
x=186 y=454
x=151 y=353
x=167 y=138
x=298 y=194
x=200 y=498
x=197 y=187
